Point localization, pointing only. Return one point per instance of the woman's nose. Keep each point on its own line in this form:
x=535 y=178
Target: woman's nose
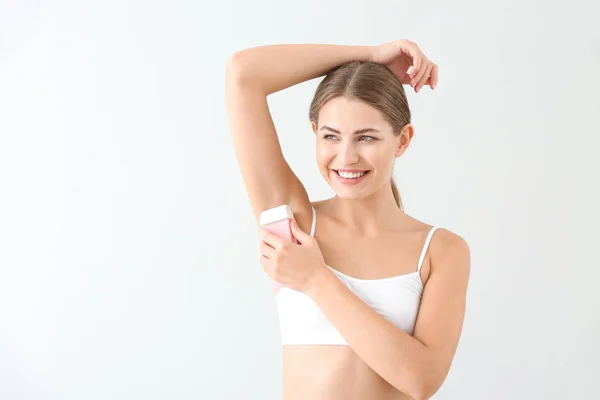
x=348 y=154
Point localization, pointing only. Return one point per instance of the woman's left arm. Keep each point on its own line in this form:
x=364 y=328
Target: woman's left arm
x=416 y=365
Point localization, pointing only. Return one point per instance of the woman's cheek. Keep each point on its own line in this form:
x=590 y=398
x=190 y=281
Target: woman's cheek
x=324 y=157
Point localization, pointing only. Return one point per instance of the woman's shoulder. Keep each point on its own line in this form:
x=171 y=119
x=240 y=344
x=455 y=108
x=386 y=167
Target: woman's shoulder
x=448 y=247
x=444 y=234
x=442 y=237
x=446 y=239
x=443 y=242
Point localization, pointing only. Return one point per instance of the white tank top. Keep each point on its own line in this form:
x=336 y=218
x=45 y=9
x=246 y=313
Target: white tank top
x=396 y=298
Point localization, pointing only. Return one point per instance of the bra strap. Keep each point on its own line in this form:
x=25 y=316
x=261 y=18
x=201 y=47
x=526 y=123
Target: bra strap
x=314 y=220
x=425 y=247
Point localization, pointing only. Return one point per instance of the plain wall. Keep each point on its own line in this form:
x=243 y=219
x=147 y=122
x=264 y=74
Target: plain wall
x=128 y=251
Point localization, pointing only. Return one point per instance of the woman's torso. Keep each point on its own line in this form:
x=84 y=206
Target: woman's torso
x=336 y=371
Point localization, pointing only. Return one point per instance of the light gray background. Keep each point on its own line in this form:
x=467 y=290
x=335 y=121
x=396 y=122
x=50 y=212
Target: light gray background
x=129 y=256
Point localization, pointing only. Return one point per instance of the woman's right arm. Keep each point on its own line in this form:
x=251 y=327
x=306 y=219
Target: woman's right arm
x=277 y=67
x=252 y=75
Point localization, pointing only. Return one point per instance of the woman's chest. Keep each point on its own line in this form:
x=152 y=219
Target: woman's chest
x=371 y=259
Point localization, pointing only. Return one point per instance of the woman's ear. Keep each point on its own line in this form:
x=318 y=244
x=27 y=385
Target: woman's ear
x=314 y=126
x=404 y=139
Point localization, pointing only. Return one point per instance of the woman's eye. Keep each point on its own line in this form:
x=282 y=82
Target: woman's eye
x=367 y=138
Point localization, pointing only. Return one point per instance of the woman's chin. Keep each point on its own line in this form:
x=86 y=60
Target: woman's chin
x=346 y=194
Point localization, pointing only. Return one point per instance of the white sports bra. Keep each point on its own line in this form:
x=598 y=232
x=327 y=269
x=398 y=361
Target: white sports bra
x=396 y=298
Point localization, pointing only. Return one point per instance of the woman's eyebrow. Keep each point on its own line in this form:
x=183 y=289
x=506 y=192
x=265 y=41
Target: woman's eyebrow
x=356 y=132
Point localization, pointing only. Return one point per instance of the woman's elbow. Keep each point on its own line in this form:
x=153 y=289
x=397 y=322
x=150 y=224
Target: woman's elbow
x=237 y=70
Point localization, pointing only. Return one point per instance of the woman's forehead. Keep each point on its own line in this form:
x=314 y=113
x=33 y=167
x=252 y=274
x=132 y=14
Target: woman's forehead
x=348 y=115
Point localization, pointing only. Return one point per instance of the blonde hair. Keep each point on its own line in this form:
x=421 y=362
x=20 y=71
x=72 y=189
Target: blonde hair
x=375 y=85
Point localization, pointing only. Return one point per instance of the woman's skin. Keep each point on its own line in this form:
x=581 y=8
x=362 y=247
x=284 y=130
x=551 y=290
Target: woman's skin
x=360 y=231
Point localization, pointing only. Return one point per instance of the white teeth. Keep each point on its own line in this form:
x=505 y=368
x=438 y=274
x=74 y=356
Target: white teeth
x=350 y=175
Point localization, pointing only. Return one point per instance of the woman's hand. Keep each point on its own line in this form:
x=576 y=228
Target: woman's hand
x=399 y=56
x=296 y=266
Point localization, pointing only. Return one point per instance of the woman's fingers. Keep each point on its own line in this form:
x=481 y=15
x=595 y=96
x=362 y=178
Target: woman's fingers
x=424 y=77
x=434 y=76
x=266 y=250
x=421 y=70
x=415 y=67
x=406 y=80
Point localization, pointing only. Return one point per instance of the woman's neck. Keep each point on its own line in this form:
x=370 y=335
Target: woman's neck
x=367 y=216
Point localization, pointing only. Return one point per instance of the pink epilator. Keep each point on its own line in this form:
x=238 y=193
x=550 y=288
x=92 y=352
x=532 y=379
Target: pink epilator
x=278 y=220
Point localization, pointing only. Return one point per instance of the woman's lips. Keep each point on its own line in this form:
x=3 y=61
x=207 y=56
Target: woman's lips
x=350 y=181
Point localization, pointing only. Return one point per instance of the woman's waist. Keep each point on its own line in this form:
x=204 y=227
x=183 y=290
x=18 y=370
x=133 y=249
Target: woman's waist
x=331 y=372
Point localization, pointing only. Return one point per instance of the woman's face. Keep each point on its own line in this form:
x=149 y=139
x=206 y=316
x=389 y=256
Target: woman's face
x=356 y=147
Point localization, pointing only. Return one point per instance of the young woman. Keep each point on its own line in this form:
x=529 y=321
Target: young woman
x=372 y=302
